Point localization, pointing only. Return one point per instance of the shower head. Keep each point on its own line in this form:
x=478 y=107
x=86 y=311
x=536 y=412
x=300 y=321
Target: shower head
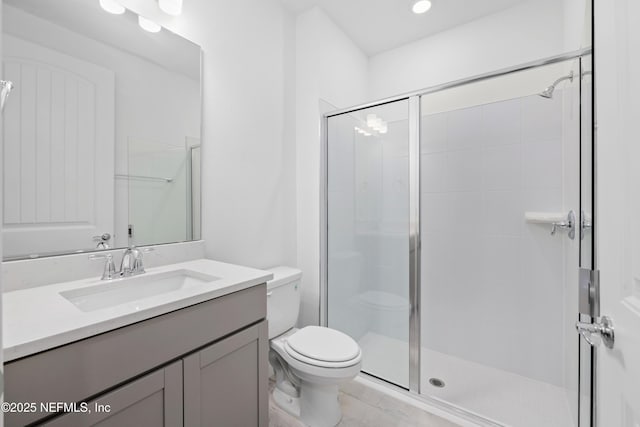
x=5 y=89
x=548 y=91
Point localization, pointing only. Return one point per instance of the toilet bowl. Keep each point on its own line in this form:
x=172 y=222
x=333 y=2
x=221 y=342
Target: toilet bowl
x=309 y=363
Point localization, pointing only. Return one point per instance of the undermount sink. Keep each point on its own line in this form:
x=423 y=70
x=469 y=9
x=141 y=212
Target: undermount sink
x=131 y=289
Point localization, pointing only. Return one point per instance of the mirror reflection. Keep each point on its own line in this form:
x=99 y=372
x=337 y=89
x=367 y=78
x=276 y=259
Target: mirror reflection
x=102 y=137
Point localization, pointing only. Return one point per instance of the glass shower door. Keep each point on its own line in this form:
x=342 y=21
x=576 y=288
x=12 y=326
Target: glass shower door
x=368 y=235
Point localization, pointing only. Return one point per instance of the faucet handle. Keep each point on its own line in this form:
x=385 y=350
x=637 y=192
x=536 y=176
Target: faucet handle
x=138 y=264
x=109 y=267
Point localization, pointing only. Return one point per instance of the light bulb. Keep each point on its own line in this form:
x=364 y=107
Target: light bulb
x=171 y=7
x=112 y=6
x=421 y=6
x=148 y=25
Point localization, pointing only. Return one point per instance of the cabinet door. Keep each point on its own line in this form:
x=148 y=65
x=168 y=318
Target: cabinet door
x=225 y=384
x=151 y=401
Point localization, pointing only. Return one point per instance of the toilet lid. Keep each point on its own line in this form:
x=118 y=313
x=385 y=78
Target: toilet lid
x=325 y=344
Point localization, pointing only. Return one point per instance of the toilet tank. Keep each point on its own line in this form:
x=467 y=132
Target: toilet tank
x=283 y=299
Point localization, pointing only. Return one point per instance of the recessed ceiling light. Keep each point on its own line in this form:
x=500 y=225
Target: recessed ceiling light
x=112 y=6
x=148 y=25
x=421 y=6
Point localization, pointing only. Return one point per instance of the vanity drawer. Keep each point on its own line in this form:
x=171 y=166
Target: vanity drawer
x=81 y=370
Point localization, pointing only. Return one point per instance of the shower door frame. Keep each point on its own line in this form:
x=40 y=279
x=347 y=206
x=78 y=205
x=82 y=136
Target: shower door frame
x=414 y=196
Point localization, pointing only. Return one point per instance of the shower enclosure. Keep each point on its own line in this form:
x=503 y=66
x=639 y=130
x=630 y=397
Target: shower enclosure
x=163 y=191
x=456 y=220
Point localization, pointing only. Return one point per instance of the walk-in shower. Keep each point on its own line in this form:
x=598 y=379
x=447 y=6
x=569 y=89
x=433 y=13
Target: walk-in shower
x=438 y=256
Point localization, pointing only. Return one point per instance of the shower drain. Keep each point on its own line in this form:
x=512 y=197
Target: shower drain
x=436 y=382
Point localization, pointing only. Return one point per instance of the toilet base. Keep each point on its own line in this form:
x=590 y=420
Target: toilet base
x=291 y=405
x=319 y=405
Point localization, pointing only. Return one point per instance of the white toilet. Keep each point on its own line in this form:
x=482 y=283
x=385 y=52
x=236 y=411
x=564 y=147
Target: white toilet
x=309 y=363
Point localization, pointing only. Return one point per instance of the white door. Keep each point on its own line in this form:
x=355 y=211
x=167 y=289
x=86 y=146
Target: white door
x=58 y=151
x=617 y=74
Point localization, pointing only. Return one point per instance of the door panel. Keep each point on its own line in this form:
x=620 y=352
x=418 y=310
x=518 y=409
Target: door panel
x=368 y=235
x=59 y=151
x=151 y=401
x=617 y=60
x=225 y=383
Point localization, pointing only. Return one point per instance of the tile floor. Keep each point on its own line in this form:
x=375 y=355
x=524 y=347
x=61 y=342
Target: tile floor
x=363 y=406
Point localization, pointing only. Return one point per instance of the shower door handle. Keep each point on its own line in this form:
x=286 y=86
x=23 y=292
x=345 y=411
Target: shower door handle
x=568 y=224
x=602 y=328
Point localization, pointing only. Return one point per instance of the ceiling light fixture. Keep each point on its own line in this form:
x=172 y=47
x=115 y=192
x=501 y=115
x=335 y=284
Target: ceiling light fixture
x=148 y=25
x=112 y=6
x=171 y=7
x=421 y=6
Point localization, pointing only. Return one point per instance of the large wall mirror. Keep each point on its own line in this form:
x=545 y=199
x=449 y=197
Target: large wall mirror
x=101 y=135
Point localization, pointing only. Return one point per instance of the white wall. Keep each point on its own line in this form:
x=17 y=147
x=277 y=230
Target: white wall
x=329 y=67
x=577 y=24
x=523 y=33
x=247 y=145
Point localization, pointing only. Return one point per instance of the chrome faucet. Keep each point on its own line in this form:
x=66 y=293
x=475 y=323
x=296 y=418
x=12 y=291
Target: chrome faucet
x=131 y=262
x=130 y=265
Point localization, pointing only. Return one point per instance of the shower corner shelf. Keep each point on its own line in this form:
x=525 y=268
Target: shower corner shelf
x=544 y=217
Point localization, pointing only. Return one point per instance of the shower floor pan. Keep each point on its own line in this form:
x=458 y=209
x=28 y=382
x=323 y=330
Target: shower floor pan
x=499 y=395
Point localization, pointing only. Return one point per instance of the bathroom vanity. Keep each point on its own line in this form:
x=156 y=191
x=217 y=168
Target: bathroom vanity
x=194 y=355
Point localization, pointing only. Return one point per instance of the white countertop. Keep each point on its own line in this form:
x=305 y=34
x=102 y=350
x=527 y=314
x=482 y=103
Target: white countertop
x=39 y=319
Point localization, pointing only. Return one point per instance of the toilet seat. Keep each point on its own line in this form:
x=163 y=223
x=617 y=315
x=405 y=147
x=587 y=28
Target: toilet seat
x=320 y=363
x=301 y=361
x=323 y=345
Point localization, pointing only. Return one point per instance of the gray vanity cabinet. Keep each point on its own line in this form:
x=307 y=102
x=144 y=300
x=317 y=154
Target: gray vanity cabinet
x=203 y=365
x=153 y=400
x=223 y=383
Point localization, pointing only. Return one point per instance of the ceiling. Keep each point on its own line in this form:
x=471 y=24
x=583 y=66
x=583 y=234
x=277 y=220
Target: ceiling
x=379 y=25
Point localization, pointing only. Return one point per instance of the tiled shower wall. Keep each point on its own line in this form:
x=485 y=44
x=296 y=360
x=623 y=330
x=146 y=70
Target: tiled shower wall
x=492 y=284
